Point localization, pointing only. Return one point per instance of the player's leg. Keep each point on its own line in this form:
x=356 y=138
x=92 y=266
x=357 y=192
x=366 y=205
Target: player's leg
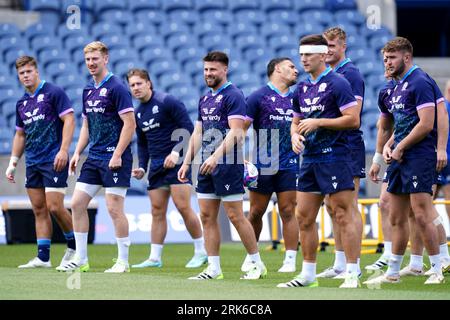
x=286 y=206
x=43 y=226
x=181 y=195
x=415 y=266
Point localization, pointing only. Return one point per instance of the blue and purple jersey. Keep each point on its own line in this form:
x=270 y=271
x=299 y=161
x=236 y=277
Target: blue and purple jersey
x=156 y=120
x=412 y=93
x=102 y=107
x=353 y=76
x=39 y=116
x=268 y=109
x=325 y=97
x=214 y=111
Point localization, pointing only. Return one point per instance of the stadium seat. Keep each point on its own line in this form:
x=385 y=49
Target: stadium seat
x=44 y=5
x=377 y=42
x=151 y=53
x=70 y=81
x=76 y=42
x=256 y=53
x=139 y=5
x=146 y=40
x=199 y=79
x=63 y=32
x=41 y=42
x=284 y=16
x=278 y=42
x=335 y=5
x=370 y=68
x=177 y=40
x=304 y=5
x=9 y=109
x=5 y=147
x=170 y=5
x=241 y=29
x=84 y=5
x=178 y=89
x=105 y=5
x=216 y=42
x=322 y=17
x=236 y=5
x=362 y=54
x=117 y=15
x=158 y=68
x=275 y=29
x=249 y=88
x=13 y=43
x=169 y=79
x=122 y=54
x=101 y=28
x=138 y=28
x=248 y=40
x=8 y=94
x=349 y=28
x=352 y=16
x=121 y=68
x=218 y=16
x=189 y=53
x=253 y=16
x=207 y=27
x=377 y=31
x=291 y=52
x=54 y=69
x=270 y=5
x=152 y=16
x=168 y=28
x=12 y=54
x=114 y=41
x=9 y=29
x=190 y=100
x=237 y=65
x=51 y=55
x=185 y=16
x=308 y=28
x=244 y=78
x=39 y=29
x=202 y=5
x=193 y=68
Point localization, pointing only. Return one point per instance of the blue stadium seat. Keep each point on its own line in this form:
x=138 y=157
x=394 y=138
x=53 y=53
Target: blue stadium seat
x=193 y=68
x=361 y=54
x=51 y=17
x=269 y=5
x=309 y=4
x=41 y=42
x=352 y=16
x=6 y=134
x=143 y=41
x=237 y=65
x=290 y=53
x=102 y=27
x=207 y=27
x=13 y=43
x=242 y=28
x=150 y=16
x=284 y=16
x=245 y=78
x=117 y=15
x=308 y=28
x=378 y=31
x=5 y=69
x=170 y=5
x=370 y=68
x=185 y=16
x=78 y=57
x=9 y=29
x=76 y=42
x=70 y=81
x=253 y=16
x=160 y=67
x=39 y=29
x=151 y=53
x=236 y=5
x=334 y=5
x=377 y=42
x=5 y=147
x=181 y=89
x=202 y=5
x=54 y=69
x=199 y=79
x=256 y=53
x=275 y=29
x=122 y=54
x=140 y=5
x=114 y=41
x=12 y=54
x=216 y=42
x=249 y=88
x=356 y=42
x=177 y=40
x=121 y=69
x=44 y=5
x=105 y=5
x=9 y=109
x=167 y=80
x=184 y=54
x=247 y=41
x=218 y=16
x=279 y=42
x=7 y=94
x=349 y=28
x=52 y=55
x=84 y=5
x=168 y=28
x=259 y=66
x=190 y=100
x=63 y=32
x=323 y=17
x=139 y=28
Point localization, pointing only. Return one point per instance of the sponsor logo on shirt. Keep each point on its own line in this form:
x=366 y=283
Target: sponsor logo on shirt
x=208 y=115
x=284 y=115
x=33 y=116
x=150 y=125
x=395 y=105
x=93 y=107
x=312 y=105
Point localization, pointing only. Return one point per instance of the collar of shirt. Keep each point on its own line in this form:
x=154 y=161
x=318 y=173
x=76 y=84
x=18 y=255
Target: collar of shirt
x=226 y=84
x=323 y=74
x=41 y=84
x=343 y=63
x=271 y=86
x=108 y=76
x=414 y=67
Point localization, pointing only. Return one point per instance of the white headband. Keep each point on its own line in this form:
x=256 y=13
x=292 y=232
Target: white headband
x=313 y=49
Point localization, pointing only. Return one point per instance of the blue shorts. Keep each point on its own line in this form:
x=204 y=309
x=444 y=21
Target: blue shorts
x=283 y=180
x=443 y=177
x=158 y=176
x=325 y=177
x=226 y=179
x=358 y=161
x=412 y=176
x=96 y=172
x=43 y=175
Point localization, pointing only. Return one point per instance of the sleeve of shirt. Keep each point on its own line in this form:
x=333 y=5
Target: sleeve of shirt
x=142 y=148
x=381 y=106
x=343 y=94
x=19 y=122
x=121 y=98
x=437 y=92
x=61 y=102
x=236 y=106
x=424 y=95
x=356 y=83
x=295 y=104
x=252 y=106
x=199 y=116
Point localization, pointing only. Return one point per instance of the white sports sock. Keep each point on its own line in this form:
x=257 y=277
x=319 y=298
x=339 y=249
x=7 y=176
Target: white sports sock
x=123 y=247
x=358 y=265
x=416 y=262
x=81 y=239
x=352 y=268
x=156 y=252
x=290 y=256
x=214 y=262
x=199 y=246
x=387 y=249
x=443 y=252
x=395 y=262
x=339 y=261
x=309 y=270
x=255 y=257
x=436 y=264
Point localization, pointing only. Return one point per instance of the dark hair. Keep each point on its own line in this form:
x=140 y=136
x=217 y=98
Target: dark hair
x=273 y=63
x=216 y=56
x=140 y=73
x=314 y=39
x=24 y=60
x=398 y=44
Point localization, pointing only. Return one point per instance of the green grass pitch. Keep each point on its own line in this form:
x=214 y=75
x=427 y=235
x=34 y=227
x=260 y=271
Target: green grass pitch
x=170 y=282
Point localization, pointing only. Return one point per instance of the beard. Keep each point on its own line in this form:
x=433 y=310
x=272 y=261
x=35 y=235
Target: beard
x=213 y=82
x=397 y=72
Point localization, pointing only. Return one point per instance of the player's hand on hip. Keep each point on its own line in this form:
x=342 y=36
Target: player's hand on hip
x=171 y=160
x=138 y=173
x=209 y=165
x=297 y=143
x=183 y=172
x=397 y=154
x=374 y=171
x=73 y=164
x=441 y=160
x=115 y=163
x=61 y=159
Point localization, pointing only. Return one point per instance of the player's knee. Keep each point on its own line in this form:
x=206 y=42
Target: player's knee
x=305 y=222
x=235 y=217
x=255 y=213
x=342 y=216
x=287 y=211
x=421 y=219
x=54 y=207
x=384 y=205
x=183 y=207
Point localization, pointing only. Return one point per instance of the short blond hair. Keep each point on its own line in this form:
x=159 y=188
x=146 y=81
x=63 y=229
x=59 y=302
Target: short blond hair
x=335 y=32
x=24 y=60
x=398 y=44
x=96 y=46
